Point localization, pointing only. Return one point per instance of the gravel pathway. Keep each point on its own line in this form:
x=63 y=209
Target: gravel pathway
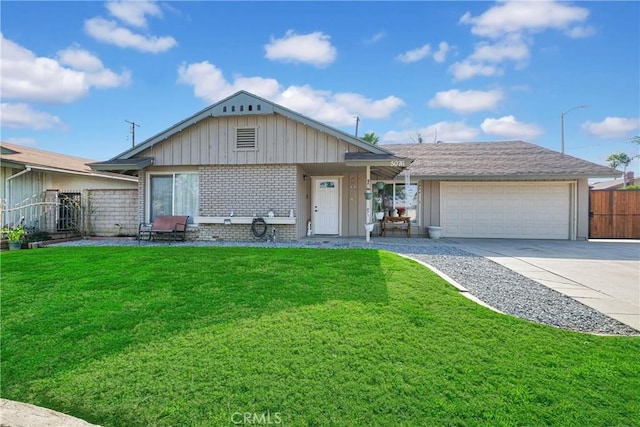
x=492 y=283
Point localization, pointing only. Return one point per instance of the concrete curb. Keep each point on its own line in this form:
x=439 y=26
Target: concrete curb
x=18 y=414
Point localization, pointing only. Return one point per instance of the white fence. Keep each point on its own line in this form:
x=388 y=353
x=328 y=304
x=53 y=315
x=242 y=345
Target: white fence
x=50 y=212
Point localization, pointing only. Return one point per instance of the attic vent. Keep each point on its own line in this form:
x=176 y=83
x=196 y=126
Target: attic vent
x=259 y=107
x=246 y=138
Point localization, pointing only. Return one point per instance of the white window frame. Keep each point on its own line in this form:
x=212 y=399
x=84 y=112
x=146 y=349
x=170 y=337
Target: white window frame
x=173 y=173
x=415 y=221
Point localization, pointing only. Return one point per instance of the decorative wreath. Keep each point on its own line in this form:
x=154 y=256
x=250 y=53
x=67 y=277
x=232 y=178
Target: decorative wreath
x=258 y=227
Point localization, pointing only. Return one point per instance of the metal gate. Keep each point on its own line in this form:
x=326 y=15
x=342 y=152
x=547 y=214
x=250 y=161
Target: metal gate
x=614 y=214
x=69 y=211
x=52 y=212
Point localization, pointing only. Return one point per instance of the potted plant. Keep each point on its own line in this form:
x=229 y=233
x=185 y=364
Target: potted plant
x=379 y=213
x=400 y=211
x=14 y=235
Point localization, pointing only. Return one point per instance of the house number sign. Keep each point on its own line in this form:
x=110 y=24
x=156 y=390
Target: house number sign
x=397 y=163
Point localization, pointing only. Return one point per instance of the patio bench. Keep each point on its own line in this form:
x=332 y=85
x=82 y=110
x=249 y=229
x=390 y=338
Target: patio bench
x=173 y=226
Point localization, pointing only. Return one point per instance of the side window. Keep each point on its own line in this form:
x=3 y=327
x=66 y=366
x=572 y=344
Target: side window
x=173 y=194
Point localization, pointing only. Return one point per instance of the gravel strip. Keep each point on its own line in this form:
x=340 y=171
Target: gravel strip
x=492 y=283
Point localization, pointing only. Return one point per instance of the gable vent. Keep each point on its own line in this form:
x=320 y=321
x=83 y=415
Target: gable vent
x=246 y=138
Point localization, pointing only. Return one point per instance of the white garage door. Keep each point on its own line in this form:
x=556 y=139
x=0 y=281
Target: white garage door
x=505 y=210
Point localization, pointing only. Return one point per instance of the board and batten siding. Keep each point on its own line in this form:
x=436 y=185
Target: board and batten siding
x=279 y=140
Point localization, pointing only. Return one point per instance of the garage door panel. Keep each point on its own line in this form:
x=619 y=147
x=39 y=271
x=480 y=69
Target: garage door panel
x=505 y=210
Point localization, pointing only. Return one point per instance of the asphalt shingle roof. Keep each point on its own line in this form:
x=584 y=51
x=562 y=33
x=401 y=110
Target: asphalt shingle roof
x=515 y=159
x=40 y=158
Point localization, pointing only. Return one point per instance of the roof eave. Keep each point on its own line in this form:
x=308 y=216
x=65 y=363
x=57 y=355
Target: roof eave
x=534 y=177
x=13 y=165
x=136 y=164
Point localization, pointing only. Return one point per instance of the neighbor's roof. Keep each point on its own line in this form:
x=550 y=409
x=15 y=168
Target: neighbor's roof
x=613 y=185
x=501 y=160
x=19 y=157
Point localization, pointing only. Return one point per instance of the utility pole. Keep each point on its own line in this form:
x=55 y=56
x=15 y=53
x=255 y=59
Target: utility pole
x=133 y=132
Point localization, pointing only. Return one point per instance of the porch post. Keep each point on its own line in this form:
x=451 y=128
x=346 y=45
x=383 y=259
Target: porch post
x=367 y=203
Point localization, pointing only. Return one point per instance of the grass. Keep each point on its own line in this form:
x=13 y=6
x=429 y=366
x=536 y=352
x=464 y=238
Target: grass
x=202 y=336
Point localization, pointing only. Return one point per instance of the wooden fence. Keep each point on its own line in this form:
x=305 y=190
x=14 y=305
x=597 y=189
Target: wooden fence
x=614 y=214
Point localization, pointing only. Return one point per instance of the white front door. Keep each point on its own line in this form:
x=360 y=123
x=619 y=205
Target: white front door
x=326 y=206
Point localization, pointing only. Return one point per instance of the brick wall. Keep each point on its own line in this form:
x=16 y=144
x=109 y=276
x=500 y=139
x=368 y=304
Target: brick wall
x=247 y=191
x=106 y=208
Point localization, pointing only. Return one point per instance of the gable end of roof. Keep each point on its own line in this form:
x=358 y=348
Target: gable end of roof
x=245 y=103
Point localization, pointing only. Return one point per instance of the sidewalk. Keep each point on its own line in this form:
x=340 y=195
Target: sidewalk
x=604 y=275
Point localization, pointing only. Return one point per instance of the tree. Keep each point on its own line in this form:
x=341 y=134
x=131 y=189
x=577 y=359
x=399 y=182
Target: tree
x=371 y=138
x=620 y=159
x=635 y=140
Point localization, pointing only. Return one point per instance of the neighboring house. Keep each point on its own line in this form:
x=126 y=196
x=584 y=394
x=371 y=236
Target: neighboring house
x=245 y=156
x=616 y=184
x=54 y=192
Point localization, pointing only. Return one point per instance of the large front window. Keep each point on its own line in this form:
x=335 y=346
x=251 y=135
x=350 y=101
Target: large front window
x=173 y=194
x=399 y=196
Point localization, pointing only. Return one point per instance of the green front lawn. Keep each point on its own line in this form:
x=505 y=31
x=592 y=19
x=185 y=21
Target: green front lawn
x=204 y=336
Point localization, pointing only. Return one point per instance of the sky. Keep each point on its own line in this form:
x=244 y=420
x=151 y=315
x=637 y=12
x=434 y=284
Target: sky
x=74 y=74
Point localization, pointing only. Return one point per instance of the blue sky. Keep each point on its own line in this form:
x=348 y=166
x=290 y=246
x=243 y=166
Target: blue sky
x=73 y=72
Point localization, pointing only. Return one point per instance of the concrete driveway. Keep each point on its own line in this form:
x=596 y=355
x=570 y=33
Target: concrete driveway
x=602 y=274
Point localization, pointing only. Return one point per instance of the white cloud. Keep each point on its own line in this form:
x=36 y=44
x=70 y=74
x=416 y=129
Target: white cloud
x=133 y=13
x=95 y=72
x=524 y=16
x=22 y=116
x=441 y=131
x=314 y=48
x=470 y=101
x=508 y=49
x=210 y=84
x=337 y=109
x=612 y=127
x=424 y=51
x=110 y=32
x=511 y=26
x=441 y=55
x=467 y=69
x=28 y=77
x=376 y=38
x=415 y=54
x=580 y=32
x=509 y=127
x=79 y=59
x=487 y=58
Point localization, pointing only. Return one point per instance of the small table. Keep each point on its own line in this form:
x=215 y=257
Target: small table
x=395 y=222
